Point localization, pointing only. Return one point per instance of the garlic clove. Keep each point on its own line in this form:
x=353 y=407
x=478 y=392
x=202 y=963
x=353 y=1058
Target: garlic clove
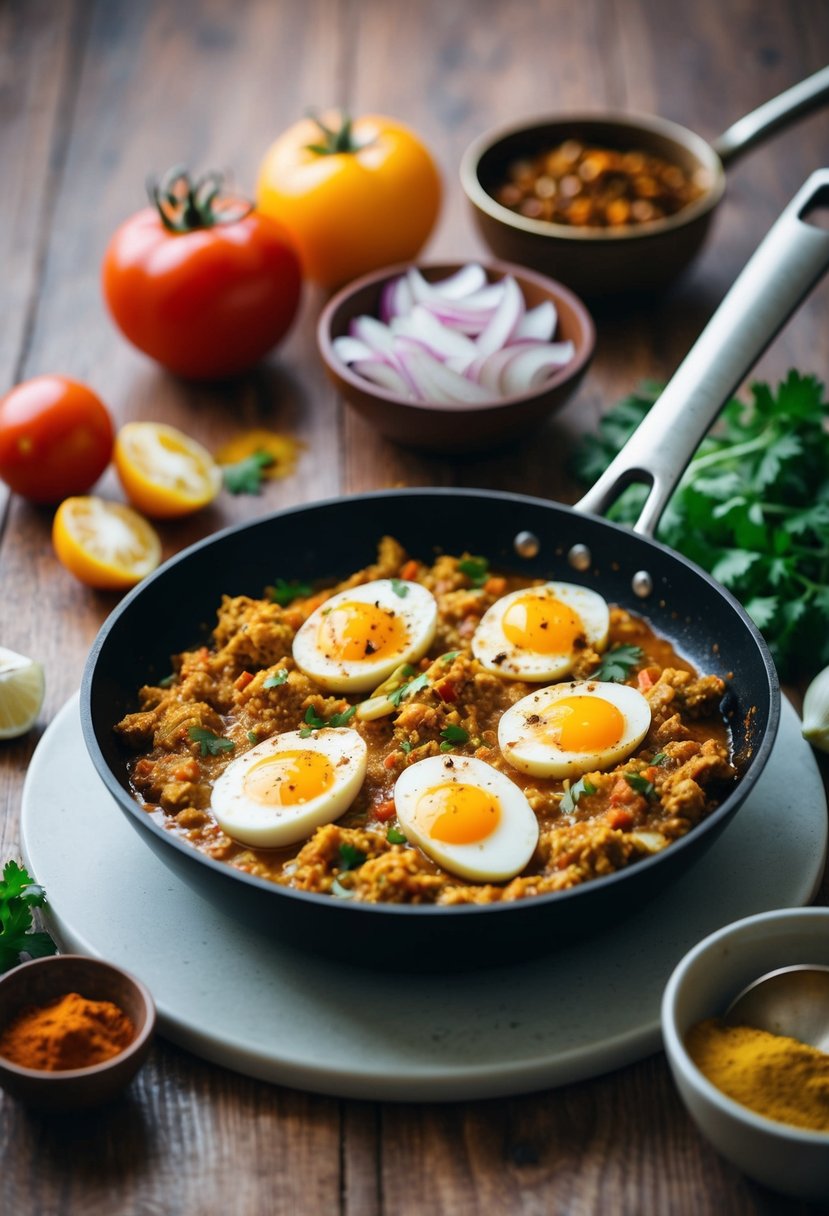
x=816 y=711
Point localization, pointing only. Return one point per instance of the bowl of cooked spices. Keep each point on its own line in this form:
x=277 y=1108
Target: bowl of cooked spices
x=73 y=1031
x=759 y=1095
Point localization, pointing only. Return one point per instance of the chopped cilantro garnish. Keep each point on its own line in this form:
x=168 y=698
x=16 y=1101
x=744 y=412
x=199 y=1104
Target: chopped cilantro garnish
x=210 y=744
x=449 y=656
x=18 y=895
x=616 y=664
x=315 y=722
x=476 y=570
x=406 y=690
x=395 y=836
x=660 y=758
x=350 y=857
x=641 y=784
x=572 y=795
x=284 y=592
x=245 y=476
x=345 y=716
x=166 y=681
x=405 y=747
x=253 y=737
x=276 y=679
x=453 y=736
x=399 y=588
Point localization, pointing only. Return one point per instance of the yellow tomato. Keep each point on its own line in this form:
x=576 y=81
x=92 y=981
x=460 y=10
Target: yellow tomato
x=354 y=196
x=164 y=472
x=104 y=544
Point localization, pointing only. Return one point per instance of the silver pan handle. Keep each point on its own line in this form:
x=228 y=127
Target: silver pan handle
x=802 y=97
x=779 y=275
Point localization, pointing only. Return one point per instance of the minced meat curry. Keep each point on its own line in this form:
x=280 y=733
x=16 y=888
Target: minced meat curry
x=245 y=687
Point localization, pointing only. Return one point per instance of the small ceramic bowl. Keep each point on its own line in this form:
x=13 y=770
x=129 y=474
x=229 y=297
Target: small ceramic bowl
x=46 y=979
x=447 y=428
x=789 y=1159
x=595 y=262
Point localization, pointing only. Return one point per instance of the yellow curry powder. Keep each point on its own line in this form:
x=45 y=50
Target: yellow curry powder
x=771 y=1074
x=69 y=1032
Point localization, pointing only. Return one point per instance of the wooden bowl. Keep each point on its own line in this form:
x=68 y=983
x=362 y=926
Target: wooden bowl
x=595 y=262
x=46 y=979
x=447 y=428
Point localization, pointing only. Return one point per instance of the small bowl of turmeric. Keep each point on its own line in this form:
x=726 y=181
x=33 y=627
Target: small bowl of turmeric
x=761 y=1098
x=73 y=1031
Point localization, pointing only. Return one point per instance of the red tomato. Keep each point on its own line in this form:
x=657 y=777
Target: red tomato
x=202 y=283
x=56 y=438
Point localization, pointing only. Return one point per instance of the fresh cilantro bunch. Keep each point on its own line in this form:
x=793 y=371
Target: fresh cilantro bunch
x=752 y=508
x=18 y=895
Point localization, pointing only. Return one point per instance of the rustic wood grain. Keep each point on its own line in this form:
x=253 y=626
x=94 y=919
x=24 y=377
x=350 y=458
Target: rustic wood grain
x=93 y=94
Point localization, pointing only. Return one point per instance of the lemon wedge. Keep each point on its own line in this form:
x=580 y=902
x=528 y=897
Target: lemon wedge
x=22 y=687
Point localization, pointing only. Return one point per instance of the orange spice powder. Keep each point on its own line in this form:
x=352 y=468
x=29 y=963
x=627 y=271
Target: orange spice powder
x=70 y=1032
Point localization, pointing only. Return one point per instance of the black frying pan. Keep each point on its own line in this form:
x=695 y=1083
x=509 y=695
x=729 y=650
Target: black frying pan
x=174 y=609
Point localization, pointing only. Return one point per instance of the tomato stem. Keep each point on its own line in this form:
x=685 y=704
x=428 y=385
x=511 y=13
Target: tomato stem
x=336 y=139
x=185 y=206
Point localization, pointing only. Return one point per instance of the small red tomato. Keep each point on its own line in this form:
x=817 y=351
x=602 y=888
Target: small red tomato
x=201 y=282
x=56 y=438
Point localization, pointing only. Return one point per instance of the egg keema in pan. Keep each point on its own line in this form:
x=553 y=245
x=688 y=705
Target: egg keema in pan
x=467 y=816
x=283 y=788
x=535 y=633
x=358 y=637
x=569 y=729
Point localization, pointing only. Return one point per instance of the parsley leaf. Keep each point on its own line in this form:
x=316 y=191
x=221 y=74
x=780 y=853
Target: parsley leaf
x=752 y=508
x=616 y=663
x=476 y=570
x=245 y=476
x=405 y=747
x=253 y=737
x=659 y=759
x=572 y=795
x=350 y=857
x=399 y=588
x=641 y=784
x=277 y=679
x=395 y=836
x=18 y=895
x=315 y=722
x=453 y=736
x=210 y=744
x=343 y=718
x=406 y=690
x=284 y=593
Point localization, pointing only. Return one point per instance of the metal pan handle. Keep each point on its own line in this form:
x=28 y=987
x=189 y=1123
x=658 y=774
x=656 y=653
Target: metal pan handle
x=771 y=116
x=779 y=275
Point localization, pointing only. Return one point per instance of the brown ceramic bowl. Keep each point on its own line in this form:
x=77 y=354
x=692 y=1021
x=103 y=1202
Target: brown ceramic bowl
x=445 y=428
x=46 y=979
x=596 y=262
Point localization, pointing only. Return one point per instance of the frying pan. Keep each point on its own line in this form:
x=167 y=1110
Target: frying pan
x=173 y=610
x=607 y=262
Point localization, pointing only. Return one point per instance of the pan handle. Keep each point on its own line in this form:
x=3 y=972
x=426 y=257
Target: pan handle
x=773 y=114
x=779 y=275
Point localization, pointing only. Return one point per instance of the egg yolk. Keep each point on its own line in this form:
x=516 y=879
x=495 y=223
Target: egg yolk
x=542 y=624
x=458 y=814
x=583 y=724
x=289 y=778
x=355 y=631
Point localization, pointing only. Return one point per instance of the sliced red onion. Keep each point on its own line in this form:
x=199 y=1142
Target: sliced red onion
x=537 y=324
x=488 y=369
x=373 y=333
x=351 y=349
x=383 y=375
x=530 y=368
x=440 y=340
x=468 y=279
x=435 y=381
x=502 y=324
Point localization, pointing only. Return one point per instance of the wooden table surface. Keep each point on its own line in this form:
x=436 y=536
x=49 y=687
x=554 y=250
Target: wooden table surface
x=93 y=95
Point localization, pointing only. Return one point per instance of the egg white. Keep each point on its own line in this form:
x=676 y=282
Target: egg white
x=524 y=730
x=407 y=608
x=501 y=854
x=495 y=651
x=266 y=822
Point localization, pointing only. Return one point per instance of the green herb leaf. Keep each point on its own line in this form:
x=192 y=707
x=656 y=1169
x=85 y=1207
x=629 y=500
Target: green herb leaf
x=449 y=656
x=641 y=784
x=350 y=857
x=395 y=836
x=18 y=895
x=167 y=680
x=253 y=737
x=399 y=588
x=616 y=663
x=476 y=570
x=314 y=721
x=276 y=680
x=453 y=736
x=659 y=759
x=406 y=690
x=571 y=796
x=343 y=718
x=405 y=747
x=210 y=744
x=285 y=593
x=752 y=508
x=246 y=476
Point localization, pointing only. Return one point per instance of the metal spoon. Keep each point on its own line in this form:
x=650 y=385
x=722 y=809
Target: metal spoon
x=791 y=1000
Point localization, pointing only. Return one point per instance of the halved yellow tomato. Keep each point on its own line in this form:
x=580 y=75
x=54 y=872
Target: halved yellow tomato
x=164 y=472
x=104 y=544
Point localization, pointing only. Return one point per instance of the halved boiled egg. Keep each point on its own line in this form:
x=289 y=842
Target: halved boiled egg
x=357 y=638
x=535 y=633
x=283 y=788
x=467 y=816
x=574 y=728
